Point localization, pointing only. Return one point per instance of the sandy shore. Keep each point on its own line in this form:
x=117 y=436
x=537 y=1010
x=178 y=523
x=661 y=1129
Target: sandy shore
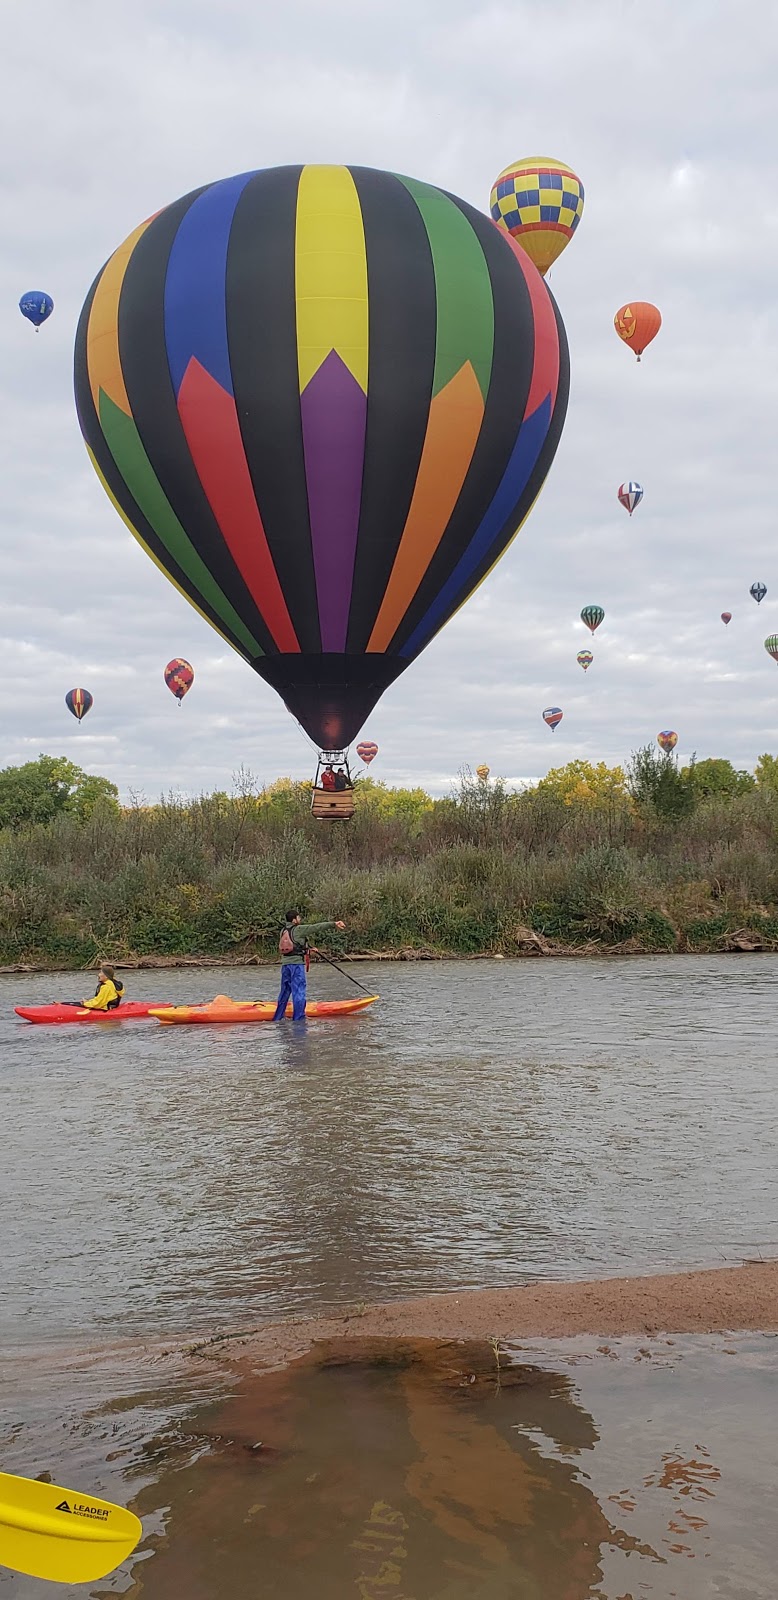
x=723 y=1299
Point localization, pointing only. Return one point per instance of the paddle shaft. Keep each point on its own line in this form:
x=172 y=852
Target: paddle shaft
x=343 y=974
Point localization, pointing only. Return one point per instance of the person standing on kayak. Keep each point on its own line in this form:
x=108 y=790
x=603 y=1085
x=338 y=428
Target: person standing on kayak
x=293 y=948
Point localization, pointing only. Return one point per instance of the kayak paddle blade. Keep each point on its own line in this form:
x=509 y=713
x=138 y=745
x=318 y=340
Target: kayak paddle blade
x=50 y=1532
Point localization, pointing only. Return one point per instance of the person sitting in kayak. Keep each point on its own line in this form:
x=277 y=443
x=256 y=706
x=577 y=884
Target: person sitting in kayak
x=293 y=948
x=107 y=995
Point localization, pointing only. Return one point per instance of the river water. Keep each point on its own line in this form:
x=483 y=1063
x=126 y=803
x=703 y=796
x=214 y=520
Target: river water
x=486 y=1122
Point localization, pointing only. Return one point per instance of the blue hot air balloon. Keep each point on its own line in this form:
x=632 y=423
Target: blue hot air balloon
x=36 y=307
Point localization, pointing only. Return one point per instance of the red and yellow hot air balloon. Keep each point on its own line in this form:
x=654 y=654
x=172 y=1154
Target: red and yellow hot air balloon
x=637 y=323
x=179 y=677
x=667 y=740
x=78 y=702
x=539 y=202
x=367 y=751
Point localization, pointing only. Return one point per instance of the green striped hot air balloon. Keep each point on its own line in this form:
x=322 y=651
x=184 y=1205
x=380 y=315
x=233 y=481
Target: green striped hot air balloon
x=771 y=646
x=592 y=616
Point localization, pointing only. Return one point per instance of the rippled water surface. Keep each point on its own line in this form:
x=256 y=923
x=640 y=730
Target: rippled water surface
x=485 y=1122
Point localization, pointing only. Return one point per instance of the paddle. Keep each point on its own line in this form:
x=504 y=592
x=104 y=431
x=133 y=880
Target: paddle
x=343 y=974
x=50 y=1532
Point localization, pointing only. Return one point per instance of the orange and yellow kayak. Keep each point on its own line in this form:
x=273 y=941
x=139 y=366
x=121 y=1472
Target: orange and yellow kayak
x=223 y=1009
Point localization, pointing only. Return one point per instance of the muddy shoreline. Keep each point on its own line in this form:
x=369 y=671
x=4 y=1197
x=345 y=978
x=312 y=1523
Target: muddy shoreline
x=712 y=1300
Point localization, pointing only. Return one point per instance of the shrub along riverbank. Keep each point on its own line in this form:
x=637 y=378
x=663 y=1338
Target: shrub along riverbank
x=656 y=859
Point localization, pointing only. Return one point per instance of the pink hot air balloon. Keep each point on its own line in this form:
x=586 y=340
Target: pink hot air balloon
x=367 y=751
x=726 y=616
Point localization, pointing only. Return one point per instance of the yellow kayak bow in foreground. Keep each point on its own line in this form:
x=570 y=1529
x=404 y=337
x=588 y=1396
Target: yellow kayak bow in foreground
x=50 y=1532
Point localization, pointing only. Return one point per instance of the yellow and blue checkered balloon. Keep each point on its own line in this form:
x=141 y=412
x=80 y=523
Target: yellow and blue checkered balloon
x=540 y=203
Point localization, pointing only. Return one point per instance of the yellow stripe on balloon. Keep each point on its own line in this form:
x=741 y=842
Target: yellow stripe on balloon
x=149 y=552
x=102 y=339
x=330 y=273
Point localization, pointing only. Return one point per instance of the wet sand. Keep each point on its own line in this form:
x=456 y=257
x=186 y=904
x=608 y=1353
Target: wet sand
x=724 y=1299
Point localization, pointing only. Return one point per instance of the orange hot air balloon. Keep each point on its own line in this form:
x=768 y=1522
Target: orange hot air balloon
x=637 y=323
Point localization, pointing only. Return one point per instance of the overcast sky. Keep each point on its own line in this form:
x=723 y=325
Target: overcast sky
x=668 y=112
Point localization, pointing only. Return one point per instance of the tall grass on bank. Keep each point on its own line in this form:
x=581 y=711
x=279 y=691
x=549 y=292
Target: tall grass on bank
x=481 y=871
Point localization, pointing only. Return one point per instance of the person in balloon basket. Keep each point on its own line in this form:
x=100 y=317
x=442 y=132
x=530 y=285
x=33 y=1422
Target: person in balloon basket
x=328 y=778
x=294 y=948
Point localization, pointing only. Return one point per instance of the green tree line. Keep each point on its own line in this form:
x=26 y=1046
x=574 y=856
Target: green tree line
x=652 y=857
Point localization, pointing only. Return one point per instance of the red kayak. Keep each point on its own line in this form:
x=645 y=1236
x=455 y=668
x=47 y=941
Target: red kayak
x=59 y=1013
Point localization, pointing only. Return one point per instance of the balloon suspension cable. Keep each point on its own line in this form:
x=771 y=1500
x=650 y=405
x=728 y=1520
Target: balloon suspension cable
x=331 y=963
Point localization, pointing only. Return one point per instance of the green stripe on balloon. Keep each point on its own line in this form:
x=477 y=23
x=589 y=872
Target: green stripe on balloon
x=465 y=307
x=124 y=443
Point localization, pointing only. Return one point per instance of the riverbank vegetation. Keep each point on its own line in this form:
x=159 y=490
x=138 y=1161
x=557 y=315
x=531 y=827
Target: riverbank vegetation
x=653 y=858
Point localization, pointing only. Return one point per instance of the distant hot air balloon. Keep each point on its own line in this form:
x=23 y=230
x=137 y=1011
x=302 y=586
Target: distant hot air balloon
x=79 y=701
x=540 y=203
x=726 y=616
x=552 y=716
x=367 y=751
x=482 y=773
x=592 y=616
x=584 y=659
x=771 y=646
x=179 y=677
x=637 y=323
x=667 y=740
x=630 y=494
x=36 y=307
x=758 y=591
x=324 y=399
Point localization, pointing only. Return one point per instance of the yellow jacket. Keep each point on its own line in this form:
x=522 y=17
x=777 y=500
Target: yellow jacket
x=106 y=996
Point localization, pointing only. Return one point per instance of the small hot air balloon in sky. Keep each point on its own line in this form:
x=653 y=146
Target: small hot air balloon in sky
x=324 y=399
x=592 y=616
x=758 y=592
x=179 y=677
x=79 y=701
x=540 y=203
x=367 y=751
x=584 y=659
x=36 y=307
x=552 y=716
x=771 y=646
x=726 y=616
x=630 y=495
x=637 y=323
x=667 y=740
x=482 y=773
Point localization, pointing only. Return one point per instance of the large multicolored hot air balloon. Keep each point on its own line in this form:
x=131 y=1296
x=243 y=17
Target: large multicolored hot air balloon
x=637 y=323
x=78 y=702
x=482 y=773
x=36 y=307
x=179 y=677
x=323 y=399
x=667 y=740
x=592 y=616
x=584 y=659
x=758 y=592
x=726 y=616
x=367 y=751
x=771 y=646
x=630 y=495
x=540 y=203
x=552 y=716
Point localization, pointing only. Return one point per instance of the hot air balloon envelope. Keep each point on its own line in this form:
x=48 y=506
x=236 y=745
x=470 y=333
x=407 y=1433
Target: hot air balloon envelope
x=552 y=716
x=667 y=740
x=482 y=773
x=79 y=701
x=758 y=591
x=637 y=323
x=179 y=677
x=630 y=495
x=584 y=659
x=540 y=203
x=592 y=616
x=324 y=399
x=771 y=646
x=367 y=751
x=726 y=616
x=36 y=307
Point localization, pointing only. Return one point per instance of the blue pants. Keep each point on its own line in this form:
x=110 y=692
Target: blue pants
x=292 y=983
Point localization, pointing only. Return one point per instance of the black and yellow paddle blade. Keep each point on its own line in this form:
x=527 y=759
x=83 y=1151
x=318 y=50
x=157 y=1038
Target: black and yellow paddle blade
x=50 y=1532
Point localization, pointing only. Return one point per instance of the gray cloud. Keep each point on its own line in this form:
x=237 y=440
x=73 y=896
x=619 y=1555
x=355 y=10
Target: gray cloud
x=667 y=112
